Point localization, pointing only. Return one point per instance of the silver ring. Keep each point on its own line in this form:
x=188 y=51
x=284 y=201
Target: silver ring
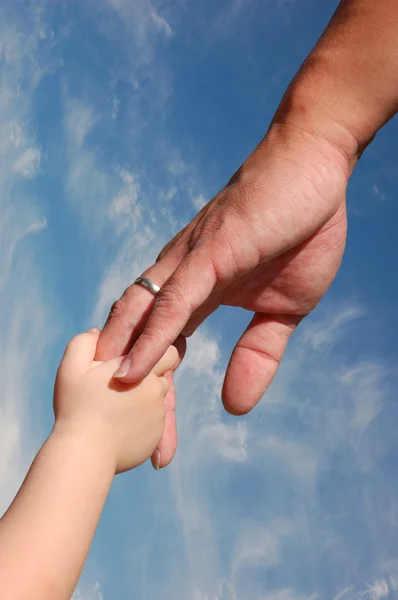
x=150 y=285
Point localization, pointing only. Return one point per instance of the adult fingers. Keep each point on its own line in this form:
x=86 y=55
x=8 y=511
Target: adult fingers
x=129 y=314
x=167 y=446
x=255 y=360
x=202 y=313
x=188 y=288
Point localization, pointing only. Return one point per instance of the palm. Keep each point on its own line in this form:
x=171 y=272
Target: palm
x=281 y=292
x=276 y=266
x=294 y=282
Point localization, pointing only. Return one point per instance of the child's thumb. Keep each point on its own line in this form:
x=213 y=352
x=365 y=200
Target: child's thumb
x=81 y=349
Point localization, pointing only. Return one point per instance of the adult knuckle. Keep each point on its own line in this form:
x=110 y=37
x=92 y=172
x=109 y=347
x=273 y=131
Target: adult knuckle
x=166 y=249
x=170 y=298
x=177 y=246
x=241 y=194
x=161 y=254
x=157 y=330
x=118 y=308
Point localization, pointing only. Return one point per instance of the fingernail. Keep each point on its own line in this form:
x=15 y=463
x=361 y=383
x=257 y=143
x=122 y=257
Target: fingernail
x=124 y=368
x=93 y=330
x=156 y=460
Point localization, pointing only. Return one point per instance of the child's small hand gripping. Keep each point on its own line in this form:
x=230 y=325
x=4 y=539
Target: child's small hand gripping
x=128 y=419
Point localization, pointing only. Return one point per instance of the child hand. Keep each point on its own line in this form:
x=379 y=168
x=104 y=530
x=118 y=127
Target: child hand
x=128 y=419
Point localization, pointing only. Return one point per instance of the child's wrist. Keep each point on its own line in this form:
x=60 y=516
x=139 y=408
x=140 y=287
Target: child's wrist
x=90 y=438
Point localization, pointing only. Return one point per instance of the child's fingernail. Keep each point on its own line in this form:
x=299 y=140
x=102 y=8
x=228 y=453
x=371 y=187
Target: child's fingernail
x=156 y=460
x=124 y=368
x=93 y=330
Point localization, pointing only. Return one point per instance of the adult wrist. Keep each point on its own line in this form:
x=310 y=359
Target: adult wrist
x=347 y=88
x=324 y=113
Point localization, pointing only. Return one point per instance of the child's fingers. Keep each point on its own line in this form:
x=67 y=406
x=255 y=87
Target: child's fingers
x=165 y=385
x=168 y=362
x=179 y=346
x=81 y=350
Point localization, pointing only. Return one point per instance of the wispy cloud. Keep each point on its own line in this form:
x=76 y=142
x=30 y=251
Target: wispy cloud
x=259 y=547
x=378 y=193
x=212 y=448
x=28 y=162
x=327 y=333
x=88 y=184
x=160 y=22
x=385 y=587
x=92 y=592
x=147 y=28
x=289 y=503
x=287 y=594
x=24 y=311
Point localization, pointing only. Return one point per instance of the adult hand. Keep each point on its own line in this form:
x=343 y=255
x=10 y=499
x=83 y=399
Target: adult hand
x=270 y=242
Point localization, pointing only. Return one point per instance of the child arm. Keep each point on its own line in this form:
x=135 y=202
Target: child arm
x=46 y=533
x=102 y=427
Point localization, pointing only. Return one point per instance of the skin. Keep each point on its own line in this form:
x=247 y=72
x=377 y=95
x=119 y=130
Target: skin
x=102 y=427
x=272 y=240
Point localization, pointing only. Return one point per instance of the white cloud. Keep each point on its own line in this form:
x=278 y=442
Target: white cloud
x=377 y=193
x=333 y=405
x=14 y=236
x=343 y=593
x=80 y=121
x=160 y=22
x=23 y=326
x=286 y=594
x=394 y=582
x=28 y=162
x=25 y=320
x=331 y=329
x=146 y=29
x=199 y=202
x=124 y=208
x=364 y=383
x=223 y=441
x=383 y=587
x=321 y=404
x=296 y=458
x=143 y=15
x=377 y=589
x=136 y=251
x=92 y=592
x=312 y=411
x=204 y=354
x=88 y=183
x=259 y=547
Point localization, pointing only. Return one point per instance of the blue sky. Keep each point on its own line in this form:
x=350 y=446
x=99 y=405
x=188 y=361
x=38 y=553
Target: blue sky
x=118 y=120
